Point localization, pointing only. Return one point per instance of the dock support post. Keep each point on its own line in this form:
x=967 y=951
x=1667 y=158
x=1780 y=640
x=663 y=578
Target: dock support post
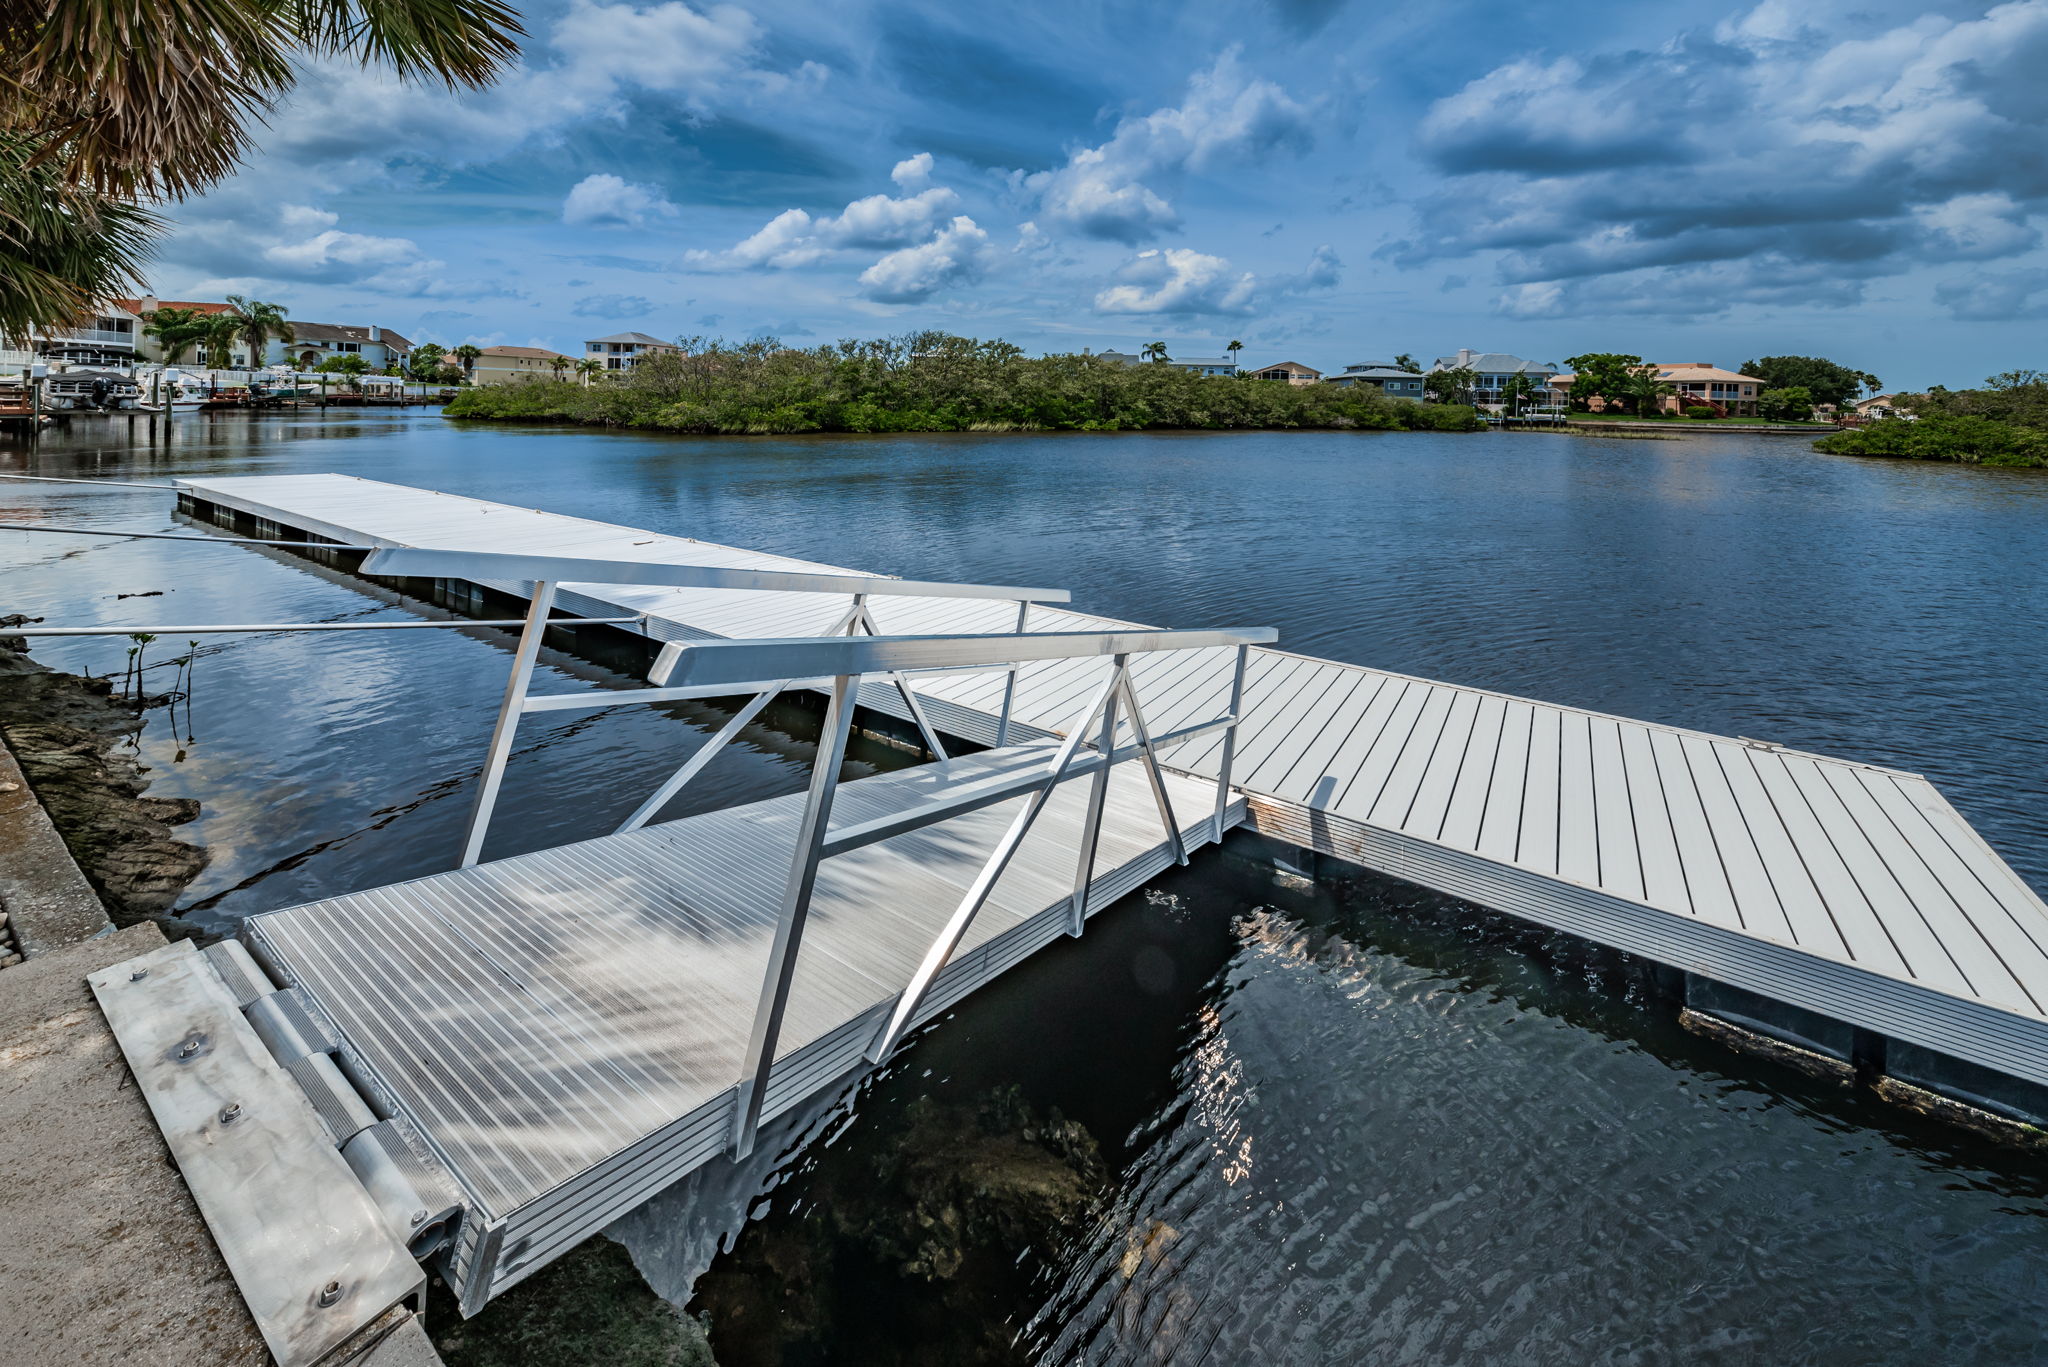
x=1010 y=682
x=523 y=656
x=1244 y=654
x=1098 y=793
x=796 y=907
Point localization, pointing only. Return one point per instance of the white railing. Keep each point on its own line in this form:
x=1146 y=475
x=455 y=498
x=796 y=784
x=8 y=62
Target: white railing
x=838 y=663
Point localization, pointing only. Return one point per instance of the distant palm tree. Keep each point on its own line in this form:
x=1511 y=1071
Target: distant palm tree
x=258 y=322
x=223 y=330
x=1234 y=347
x=588 y=367
x=560 y=365
x=1406 y=362
x=1156 y=351
x=175 y=330
x=467 y=353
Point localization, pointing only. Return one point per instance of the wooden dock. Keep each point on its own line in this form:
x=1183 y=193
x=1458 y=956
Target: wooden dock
x=558 y=1024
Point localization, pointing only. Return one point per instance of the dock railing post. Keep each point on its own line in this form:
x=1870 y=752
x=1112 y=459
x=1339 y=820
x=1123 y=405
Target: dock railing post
x=1010 y=683
x=523 y=656
x=795 y=909
x=941 y=950
x=1098 y=794
x=1229 y=744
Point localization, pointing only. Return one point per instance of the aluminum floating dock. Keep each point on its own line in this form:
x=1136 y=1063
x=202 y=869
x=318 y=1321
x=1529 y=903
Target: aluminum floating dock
x=562 y=1027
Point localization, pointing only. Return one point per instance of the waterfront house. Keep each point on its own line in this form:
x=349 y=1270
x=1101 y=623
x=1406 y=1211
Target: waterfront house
x=145 y=348
x=1383 y=376
x=506 y=364
x=1701 y=384
x=624 y=350
x=313 y=343
x=1491 y=370
x=108 y=339
x=1882 y=406
x=1287 y=372
x=1120 y=357
x=1694 y=384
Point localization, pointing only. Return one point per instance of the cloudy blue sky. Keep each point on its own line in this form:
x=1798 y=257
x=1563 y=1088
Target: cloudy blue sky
x=1327 y=180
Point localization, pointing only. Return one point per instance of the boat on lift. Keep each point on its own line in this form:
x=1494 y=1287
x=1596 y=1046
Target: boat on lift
x=174 y=391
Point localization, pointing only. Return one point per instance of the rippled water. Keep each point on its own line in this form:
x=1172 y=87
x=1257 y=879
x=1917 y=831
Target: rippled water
x=1369 y=1126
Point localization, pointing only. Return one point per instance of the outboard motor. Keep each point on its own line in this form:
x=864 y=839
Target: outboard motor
x=100 y=390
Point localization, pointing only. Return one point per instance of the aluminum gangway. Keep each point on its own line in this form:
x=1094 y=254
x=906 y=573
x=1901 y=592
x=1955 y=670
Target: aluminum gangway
x=484 y=1067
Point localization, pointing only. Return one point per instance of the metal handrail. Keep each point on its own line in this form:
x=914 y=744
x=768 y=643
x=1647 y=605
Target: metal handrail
x=712 y=664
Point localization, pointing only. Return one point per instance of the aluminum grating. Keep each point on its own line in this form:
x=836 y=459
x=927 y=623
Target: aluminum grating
x=537 y=1016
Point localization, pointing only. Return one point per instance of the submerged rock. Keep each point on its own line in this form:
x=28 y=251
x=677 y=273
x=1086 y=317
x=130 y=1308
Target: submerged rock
x=68 y=733
x=591 y=1308
x=912 y=1247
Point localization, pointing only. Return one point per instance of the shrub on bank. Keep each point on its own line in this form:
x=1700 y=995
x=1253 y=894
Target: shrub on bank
x=1968 y=439
x=931 y=382
x=1699 y=412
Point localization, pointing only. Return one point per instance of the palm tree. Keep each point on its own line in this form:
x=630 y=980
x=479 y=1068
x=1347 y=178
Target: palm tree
x=175 y=330
x=1514 y=390
x=217 y=344
x=108 y=106
x=61 y=254
x=1645 y=389
x=1155 y=351
x=258 y=322
x=1234 y=347
x=467 y=353
x=1406 y=362
x=588 y=367
x=560 y=365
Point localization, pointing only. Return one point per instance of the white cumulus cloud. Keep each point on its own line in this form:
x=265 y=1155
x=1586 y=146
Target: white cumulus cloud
x=1227 y=116
x=795 y=238
x=609 y=201
x=1180 y=280
x=958 y=255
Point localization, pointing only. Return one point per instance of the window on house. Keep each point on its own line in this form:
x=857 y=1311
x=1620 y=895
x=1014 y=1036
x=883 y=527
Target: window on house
x=347 y=346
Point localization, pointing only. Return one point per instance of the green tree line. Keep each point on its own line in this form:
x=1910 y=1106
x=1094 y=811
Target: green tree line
x=934 y=382
x=2003 y=423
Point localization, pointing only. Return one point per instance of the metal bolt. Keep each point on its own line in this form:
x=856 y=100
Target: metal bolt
x=419 y=1217
x=138 y=975
x=188 y=1048
x=330 y=1293
x=231 y=1113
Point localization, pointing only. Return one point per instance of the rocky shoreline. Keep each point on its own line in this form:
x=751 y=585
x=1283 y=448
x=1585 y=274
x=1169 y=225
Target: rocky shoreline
x=74 y=742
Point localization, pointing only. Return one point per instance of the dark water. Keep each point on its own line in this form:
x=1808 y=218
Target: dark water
x=1359 y=1127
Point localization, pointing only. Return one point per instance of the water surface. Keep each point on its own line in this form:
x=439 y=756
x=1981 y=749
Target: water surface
x=1374 y=1127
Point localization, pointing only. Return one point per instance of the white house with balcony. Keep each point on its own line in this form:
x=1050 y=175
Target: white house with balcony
x=1492 y=370
x=624 y=350
x=313 y=343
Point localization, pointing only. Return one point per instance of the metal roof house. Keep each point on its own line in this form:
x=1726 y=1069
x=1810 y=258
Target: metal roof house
x=1492 y=369
x=1383 y=376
